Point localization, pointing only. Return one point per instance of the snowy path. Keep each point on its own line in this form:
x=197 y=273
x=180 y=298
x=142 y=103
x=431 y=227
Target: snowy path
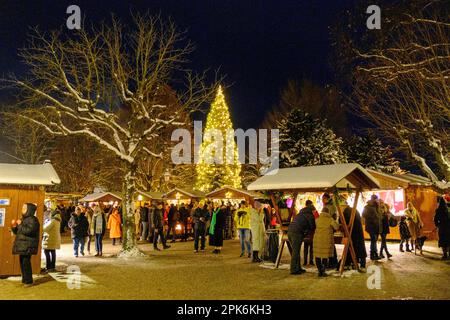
x=178 y=273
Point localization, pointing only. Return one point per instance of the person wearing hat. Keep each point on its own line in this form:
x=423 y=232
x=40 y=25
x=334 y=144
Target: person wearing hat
x=26 y=242
x=51 y=238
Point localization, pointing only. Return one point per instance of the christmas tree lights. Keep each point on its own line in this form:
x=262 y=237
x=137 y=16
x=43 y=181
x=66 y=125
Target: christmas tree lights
x=210 y=174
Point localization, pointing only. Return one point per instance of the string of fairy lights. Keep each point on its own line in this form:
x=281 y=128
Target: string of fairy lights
x=211 y=174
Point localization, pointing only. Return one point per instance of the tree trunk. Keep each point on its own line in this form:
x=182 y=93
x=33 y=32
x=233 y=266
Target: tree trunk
x=129 y=242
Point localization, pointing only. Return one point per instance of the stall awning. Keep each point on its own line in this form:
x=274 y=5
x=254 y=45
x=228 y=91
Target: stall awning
x=234 y=193
x=149 y=195
x=317 y=178
x=28 y=174
x=187 y=193
x=101 y=197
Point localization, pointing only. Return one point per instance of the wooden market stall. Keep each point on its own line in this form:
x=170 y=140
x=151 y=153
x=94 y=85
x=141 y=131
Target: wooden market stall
x=178 y=196
x=397 y=190
x=326 y=178
x=19 y=184
x=143 y=197
x=103 y=198
x=64 y=199
x=228 y=193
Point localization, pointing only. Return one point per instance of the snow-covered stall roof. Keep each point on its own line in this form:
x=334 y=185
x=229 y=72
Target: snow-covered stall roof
x=188 y=193
x=101 y=196
x=315 y=178
x=252 y=194
x=151 y=195
x=28 y=174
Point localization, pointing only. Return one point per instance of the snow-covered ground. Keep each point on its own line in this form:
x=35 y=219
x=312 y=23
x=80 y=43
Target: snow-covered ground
x=178 y=273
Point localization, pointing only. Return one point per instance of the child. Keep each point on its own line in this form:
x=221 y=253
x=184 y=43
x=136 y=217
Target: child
x=323 y=241
x=405 y=236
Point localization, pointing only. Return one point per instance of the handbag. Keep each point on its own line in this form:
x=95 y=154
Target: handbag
x=392 y=222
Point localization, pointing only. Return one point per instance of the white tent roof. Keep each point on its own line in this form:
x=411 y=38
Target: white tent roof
x=28 y=174
x=252 y=194
x=317 y=177
x=96 y=196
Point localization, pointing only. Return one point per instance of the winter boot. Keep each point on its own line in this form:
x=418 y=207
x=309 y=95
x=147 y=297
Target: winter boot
x=401 y=247
x=254 y=256
x=407 y=247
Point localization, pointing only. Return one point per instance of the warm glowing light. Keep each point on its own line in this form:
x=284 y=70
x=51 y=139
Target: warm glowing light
x=178 y=227
x=228 y=195
x=229 y=172
x=140 y=198
x=178 y=196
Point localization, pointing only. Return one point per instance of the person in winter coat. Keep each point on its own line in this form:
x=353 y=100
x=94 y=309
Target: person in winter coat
x=405 y=236
x=115 y=226
x=372 y=225
x=308 y=250
x=415 y=224
x=98 y=229
x=323 y=241
x=201 y=217
x=258 y=229
x=242 y=220
x=88 y=212
x=26 y=242
x=172 y=222
x=217 y=228
x=158 y=226
x=386 y=215
x=357 y=237
x=78 y=225
x=442 y=222
x=143 y=212
x=51 y=239
x=184 y=218
x=302 y=224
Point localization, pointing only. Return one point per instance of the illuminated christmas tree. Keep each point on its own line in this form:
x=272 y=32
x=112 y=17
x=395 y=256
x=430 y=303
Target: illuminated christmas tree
x=218 y=144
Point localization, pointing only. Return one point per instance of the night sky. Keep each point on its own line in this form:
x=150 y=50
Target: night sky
x=258 y=45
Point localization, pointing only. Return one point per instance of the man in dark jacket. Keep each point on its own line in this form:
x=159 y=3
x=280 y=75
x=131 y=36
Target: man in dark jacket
x=357 y=237
x=79 y=226
x=372 y=225
x=157 y=225
x=200 y=216
x=144 y=221
x=26 y=242
x=184 y=216
x=172 y=222
x=302 y=224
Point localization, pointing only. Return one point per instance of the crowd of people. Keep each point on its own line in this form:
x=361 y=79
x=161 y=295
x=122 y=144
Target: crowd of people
x=215 y=220
x=317 y=232
x=220 y=220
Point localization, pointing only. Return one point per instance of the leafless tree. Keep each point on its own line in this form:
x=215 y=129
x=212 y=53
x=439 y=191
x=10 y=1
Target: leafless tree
x=104 y=83
x=403 y=87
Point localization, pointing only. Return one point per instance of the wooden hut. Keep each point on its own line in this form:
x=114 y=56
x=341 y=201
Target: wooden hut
x=326 y=178
x=21 y=184
x=420 y=191
x=142 y=197
x=178 y=195
x=228 y=193
x=103 y=198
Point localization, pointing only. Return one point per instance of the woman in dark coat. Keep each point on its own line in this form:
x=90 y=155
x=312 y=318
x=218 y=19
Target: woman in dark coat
x=357 y=238
x=442 y=222
x=26 y=242
x=385 y=216
x=217 y=228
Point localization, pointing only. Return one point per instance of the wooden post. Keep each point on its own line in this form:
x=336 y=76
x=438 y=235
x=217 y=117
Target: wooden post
x=275 y=205
x=347 y=240
x=292 y=209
